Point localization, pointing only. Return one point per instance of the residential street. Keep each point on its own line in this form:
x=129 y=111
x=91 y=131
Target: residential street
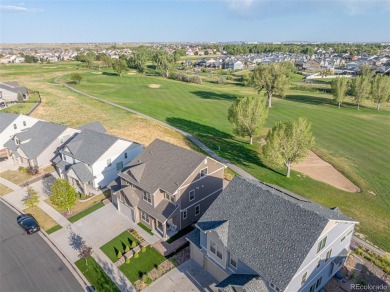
x=27 y=262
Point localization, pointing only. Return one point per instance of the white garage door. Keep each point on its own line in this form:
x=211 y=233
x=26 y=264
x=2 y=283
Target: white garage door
x=127 y=211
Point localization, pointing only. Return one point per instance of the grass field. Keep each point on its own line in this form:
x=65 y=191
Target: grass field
x=86 y=212
x=355 y=142
x=119 y=243
x=96 y=275
x=44 y=220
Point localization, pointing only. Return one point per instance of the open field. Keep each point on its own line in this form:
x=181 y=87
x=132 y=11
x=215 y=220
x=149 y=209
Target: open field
x=355 y=142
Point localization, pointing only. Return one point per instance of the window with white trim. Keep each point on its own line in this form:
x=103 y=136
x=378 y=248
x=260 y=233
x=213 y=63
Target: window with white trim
x=203 y=172
x=192 y=195
x=233 y=261
x=185 y=214
x=197 y=210
x=145 y=217
x=304 y=278
x=147 y=197
x=216 y=249
x=328 y=255
x=321 y=244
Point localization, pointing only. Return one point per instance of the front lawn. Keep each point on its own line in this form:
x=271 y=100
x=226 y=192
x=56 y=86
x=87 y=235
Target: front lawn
x=54 y=229
x=44 y=220
x=86 y=212
x=119 y=243
x=147 y=229
x=95 y=275
x=4 y=190
x=19 y=177
x=146 y=262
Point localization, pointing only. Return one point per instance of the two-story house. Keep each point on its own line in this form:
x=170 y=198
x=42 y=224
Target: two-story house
x=92 y=159
x=255 y=237
x=167 y=187
x=37 y=145
x=10 y=124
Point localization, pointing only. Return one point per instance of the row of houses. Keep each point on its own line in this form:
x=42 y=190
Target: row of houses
x=249 y=236
x=380 y=64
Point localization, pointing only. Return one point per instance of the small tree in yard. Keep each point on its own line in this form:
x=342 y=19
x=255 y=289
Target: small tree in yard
x=84 y=252
x=63 y=195
x=380 y=90
x=19 y=96
x=248 y=115
x=339 y=89
x=32 y=198
x=127 y=249
x=76 y=77
x=133 y=244
x=289 y=143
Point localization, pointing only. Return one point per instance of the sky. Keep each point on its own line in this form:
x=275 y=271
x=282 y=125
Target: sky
x=71 y=21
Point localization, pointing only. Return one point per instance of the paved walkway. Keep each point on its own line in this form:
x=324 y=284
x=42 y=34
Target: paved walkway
x=9 y=184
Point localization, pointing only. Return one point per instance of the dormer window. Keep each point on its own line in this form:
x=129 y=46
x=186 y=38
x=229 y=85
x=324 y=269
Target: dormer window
x=233 y=261
x=147 y=197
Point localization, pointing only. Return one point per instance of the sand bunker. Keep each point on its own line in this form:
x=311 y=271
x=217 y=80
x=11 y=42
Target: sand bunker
x=96 y=72
x=132 y=73
x=318 y=169
x=154 y=85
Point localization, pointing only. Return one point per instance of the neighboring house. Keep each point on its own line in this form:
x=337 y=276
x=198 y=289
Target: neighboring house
x=9 y=91
x=36 y=146
x=233 y=65
x=311 y=65
x=167 y=188
x=92 y=159
x=255 y=237
x=10 y=124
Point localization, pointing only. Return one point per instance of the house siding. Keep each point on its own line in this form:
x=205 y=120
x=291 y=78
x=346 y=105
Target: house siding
x=9 y=132
x=334 y=231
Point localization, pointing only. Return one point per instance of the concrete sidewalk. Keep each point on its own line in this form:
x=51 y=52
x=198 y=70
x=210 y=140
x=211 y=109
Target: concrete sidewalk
x=9 y=184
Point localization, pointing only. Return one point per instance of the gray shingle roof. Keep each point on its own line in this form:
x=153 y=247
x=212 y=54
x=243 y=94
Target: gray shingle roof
x=166 y=166
x=6 y=119
x=14 y=89
x=94 y=126
x=88 y=146
x=270 y=231
x=39 y=137
x=250 y=283
x=82 y=171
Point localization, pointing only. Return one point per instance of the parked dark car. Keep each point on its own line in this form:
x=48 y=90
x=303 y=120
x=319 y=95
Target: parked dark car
x=28 y=223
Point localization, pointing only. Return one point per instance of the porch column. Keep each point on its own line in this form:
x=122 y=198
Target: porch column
x=165 y=230
x=85 y=188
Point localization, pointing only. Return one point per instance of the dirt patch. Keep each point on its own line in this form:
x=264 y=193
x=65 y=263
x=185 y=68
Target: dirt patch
x=96 y=72
x=318 y=169
x=132 y=73
x=154 y=85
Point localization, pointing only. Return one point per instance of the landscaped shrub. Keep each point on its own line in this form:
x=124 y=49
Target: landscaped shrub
x=119 y=255
x=23 y=169
x=136 y=256
x=127 y=260
x=133 y=244
x=33 y=170
x=380 y=261
x=143 y=249
x=146 y=279
x=127 y=249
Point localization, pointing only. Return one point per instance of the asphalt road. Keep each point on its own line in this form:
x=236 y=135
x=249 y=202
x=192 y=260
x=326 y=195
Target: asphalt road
x=27 y=263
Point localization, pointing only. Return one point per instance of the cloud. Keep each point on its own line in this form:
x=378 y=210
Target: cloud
x=274 y=8
x=19 y=9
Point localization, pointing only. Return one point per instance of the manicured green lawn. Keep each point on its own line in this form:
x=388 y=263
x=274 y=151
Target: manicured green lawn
x=86 y=212
x=96 y=276
x=355 y=142
x=147 y=229
x=54 y=229
x=119 y=243
x=146 y=262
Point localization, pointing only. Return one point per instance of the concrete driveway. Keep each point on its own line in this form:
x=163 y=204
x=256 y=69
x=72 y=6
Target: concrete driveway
x=7 y=164
x=189 y=276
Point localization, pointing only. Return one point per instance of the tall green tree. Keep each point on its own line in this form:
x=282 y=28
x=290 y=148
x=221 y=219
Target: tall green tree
x=32 y=198
x=63 y=195
x=139 y=58
x=76 y=77
x=289 y=142
x=119 y=66
x=339 y=87
x=360 y=87
x=90 y=58
x=272 y=78
x=19 y=96
x=380 y=90
x=106 y=61
x=165 y=62
x=248 y=116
